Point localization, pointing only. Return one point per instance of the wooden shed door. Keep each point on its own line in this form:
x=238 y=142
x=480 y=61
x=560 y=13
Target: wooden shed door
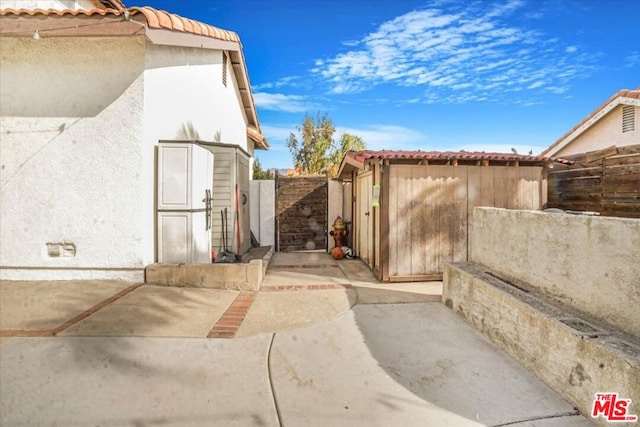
x=301 y=213
x=365 y=218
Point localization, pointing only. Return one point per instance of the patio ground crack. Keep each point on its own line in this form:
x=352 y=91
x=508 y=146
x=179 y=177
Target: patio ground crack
x=273 y=391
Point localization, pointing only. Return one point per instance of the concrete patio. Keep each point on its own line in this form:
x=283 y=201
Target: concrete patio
x=309 y=349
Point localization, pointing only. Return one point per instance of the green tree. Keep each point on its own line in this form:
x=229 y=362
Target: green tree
x=317 y=152
x=348 y=142
x=310 y=156
x=259 y=173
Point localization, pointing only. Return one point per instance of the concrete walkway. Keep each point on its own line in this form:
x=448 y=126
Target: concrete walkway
x=309 y=350
x=299 y=289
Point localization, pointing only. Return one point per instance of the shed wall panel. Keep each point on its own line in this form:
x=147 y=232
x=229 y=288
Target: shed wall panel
x=430 y=208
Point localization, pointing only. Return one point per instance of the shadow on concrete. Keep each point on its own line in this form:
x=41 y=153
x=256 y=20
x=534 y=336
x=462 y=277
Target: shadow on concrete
x=135 y=382
x=429 y=351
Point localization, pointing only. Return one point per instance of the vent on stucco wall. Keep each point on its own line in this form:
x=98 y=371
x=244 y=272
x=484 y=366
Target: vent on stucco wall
x=224 y=69
x=628 y=118
x=61 y=250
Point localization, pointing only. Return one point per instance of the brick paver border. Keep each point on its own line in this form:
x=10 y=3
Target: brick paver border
x=226 y=327
x=229 y=323
x=6 y=333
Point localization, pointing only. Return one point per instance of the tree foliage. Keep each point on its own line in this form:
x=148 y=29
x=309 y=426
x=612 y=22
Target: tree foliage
x=317 y=152
x=259 y=173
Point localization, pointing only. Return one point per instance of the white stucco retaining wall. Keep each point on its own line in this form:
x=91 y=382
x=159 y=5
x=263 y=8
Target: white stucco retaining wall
x=262 y=199
x=590 y=263
x=71 y=160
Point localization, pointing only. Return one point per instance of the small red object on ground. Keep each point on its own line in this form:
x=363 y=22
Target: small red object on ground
x=337 y=253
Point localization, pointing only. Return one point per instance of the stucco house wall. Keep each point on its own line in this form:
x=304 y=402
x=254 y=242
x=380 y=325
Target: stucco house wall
x=80 y=126
x=605 y=133
x=191 y=78
x=603 y=127
x=71 y=120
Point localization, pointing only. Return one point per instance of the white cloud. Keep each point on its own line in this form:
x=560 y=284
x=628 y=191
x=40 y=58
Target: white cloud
x=387 y=137
x=452 y=47
x=284 y=81
x=277 y=135
x=281 y=102
x=633 y=59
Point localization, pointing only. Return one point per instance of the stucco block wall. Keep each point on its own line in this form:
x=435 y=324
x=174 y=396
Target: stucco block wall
x=262 y=201
x=71 y=157
x=589 y=263
x=604 y=133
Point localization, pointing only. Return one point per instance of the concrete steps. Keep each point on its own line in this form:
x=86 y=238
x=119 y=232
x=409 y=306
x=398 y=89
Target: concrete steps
x=242 y=276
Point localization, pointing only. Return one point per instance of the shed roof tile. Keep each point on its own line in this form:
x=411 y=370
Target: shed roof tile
x=361 y=156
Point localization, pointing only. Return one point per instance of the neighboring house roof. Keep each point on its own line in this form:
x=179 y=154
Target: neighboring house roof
x=356 y=159
x=159 y=26
x=622 y=97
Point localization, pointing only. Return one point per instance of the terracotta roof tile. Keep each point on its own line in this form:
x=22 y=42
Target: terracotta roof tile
x=56 y=12
x=361 y=156
x=155 y=19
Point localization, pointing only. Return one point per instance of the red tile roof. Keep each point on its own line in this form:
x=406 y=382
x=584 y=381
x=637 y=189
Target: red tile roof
x=155 y=19
x=361 y=156
x=624 y=93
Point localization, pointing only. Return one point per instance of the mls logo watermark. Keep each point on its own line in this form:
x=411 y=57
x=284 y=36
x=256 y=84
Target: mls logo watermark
x=613 y=409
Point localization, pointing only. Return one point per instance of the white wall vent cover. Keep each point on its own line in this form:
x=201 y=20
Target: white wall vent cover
x=628 y=118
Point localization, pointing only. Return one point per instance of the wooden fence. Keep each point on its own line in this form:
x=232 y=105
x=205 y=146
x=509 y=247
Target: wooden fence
x=605 y=181
x=301 y=213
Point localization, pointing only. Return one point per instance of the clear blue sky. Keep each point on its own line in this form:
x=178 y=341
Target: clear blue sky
x=430 y=75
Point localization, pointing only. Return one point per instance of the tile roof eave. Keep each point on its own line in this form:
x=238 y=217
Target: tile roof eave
x=348 y=164
x=258 y=138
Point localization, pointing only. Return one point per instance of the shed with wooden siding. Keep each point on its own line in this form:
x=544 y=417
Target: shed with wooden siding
x=412 y=210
